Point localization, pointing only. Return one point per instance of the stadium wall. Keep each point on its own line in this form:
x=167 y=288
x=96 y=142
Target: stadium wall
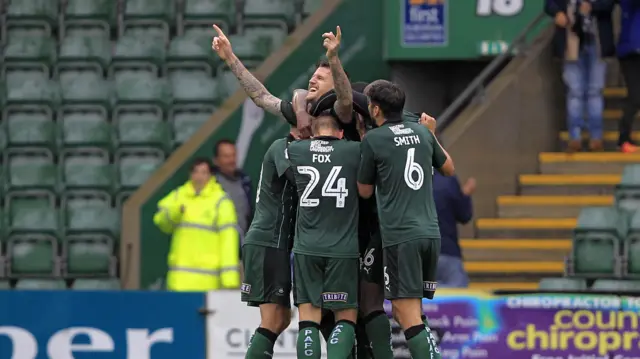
x=144 y=249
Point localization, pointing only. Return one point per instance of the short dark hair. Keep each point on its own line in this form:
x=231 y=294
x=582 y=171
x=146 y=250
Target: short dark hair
x=201 y=161
x=224 y=141
x=323 y=62
x=388 y=96
x=325 y=120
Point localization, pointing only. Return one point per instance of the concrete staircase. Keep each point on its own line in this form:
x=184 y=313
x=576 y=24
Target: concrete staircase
x=532 y=232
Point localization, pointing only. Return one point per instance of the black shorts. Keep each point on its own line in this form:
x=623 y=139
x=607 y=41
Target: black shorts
x=410 y=269
x=267 y=276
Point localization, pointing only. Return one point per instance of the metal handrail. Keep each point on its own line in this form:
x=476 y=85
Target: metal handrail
x=450 y=113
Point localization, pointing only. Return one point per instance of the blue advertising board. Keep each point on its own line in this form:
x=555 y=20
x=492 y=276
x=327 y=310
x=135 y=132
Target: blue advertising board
x=425 y=23
x=121 y=324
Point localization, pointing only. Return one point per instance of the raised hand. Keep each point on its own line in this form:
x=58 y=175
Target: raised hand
x=332 y=42
x=221 y=44
x=428 y=121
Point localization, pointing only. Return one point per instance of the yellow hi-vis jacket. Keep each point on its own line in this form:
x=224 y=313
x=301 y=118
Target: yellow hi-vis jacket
x=204 y=248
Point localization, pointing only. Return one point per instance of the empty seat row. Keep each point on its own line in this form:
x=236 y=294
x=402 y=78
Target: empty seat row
x=88 y=168
x=131 y=126
x=580 y=284
x=77 y=212
x=130 y=87
x=57 y=284
x=139 y=48
x=32 y=254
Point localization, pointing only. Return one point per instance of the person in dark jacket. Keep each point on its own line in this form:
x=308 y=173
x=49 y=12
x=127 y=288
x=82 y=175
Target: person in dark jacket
x=234 y=182
x=453 y=205
x=584 y=36
x=629 y=57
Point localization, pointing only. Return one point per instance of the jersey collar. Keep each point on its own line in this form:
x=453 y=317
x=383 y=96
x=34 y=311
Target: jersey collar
x=391 y=121
x=328 y=138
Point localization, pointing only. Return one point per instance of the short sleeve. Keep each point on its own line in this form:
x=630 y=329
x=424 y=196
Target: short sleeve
x=286 y=108
x=439 y=157
x=279 y=157
x=367 y=169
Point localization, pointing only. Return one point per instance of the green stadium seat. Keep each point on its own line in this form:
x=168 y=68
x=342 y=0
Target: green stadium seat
x=101 y=10
x=270 y=37
x=39 y=49
x=311 y=6
x=30 y=126
x=612 y=285
x=84 y=86
x=89 y=212
x=631 y=249
x=563 y=284
x=193 y=87
x=85 y=126
x=44 y=10
x=87 y=168
x=219 y=12
x=30 y=168
x=96 y=284
x=136 y=165
x=31 y=212
x=597 y=242
x=228 y=83
x=187 y=120
x=269 y=12
x=627 y=192
x=31 y=87
x=139 y=51
x=140 y=87
x=40 y=284
x=149 y=10
x=89 y=255
x=252 y=50
x=85 y=44
x=141 y=126
x=32 y=255
x=192 y=50
x=5 y=285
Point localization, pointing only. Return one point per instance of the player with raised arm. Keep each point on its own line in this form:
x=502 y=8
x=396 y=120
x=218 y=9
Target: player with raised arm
x=397 y=158
x=328 y=75
x=326 y=242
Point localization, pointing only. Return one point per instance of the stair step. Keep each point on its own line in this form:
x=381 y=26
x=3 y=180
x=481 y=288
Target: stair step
x=525 y=227
x=610 y=139
x=620 y=92
x=613 y=113
x=568 y=184
x=522 y=249
x=504 y=285
x=586 y=162
x=515 y=267
x=547 y=206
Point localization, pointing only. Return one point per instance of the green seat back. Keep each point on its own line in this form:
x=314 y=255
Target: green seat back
x=193 y=87
x=26 y=86
x=104 y=10
x=135 y=167
x=132 y=47
x=84 y=169
x=40 y=284
x=95 y=284
x=612 y=285
x=149 y=9
x=32 y=214
x=80 y=87
x=88 y=128
x=187 y=123
x=86 y=44
x=85 y=213
x=138 y=87
x=565 y=284
x=32 y=255
x=31 y=169
x=31 y=48
x=46 y=10
x=88 y=256
x=33 y=127
x=282 y=10
x=143 y=127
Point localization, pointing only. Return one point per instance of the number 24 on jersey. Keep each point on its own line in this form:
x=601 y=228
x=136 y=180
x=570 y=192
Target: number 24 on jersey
x=332 y=186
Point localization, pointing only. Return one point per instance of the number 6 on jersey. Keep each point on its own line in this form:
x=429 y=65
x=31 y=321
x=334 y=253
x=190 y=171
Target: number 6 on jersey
x=340 y=191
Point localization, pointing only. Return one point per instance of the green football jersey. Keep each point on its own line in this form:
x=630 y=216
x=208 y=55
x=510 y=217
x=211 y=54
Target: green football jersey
x=273 y=223
x=326 y=169
x=398 y=158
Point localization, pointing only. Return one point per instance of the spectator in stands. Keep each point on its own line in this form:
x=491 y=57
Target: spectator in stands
x=204 y=246
x=453 y=205
x=584 y=35
x=629 y=56
x=235 y=182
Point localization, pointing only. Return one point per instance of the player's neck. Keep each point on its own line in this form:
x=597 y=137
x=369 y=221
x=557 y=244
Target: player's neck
x=325 y=134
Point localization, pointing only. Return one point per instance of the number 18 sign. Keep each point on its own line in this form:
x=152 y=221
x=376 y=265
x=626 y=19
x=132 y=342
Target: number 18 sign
x=424 y=23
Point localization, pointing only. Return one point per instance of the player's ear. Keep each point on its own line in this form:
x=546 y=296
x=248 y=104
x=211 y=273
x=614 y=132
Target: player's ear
x=340 y=134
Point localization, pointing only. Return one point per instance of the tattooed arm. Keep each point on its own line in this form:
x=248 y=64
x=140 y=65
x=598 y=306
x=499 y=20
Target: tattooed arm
x=254 y=88
x=303 y=118
x=344 y=102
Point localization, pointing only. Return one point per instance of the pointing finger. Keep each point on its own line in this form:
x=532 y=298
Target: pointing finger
x=218 y=30
x=338 y=33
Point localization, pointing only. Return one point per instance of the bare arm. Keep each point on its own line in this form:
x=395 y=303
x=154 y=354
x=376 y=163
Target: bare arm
x=344 y=102
x=447 y=169
x=254 y=88
x=365 y=190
